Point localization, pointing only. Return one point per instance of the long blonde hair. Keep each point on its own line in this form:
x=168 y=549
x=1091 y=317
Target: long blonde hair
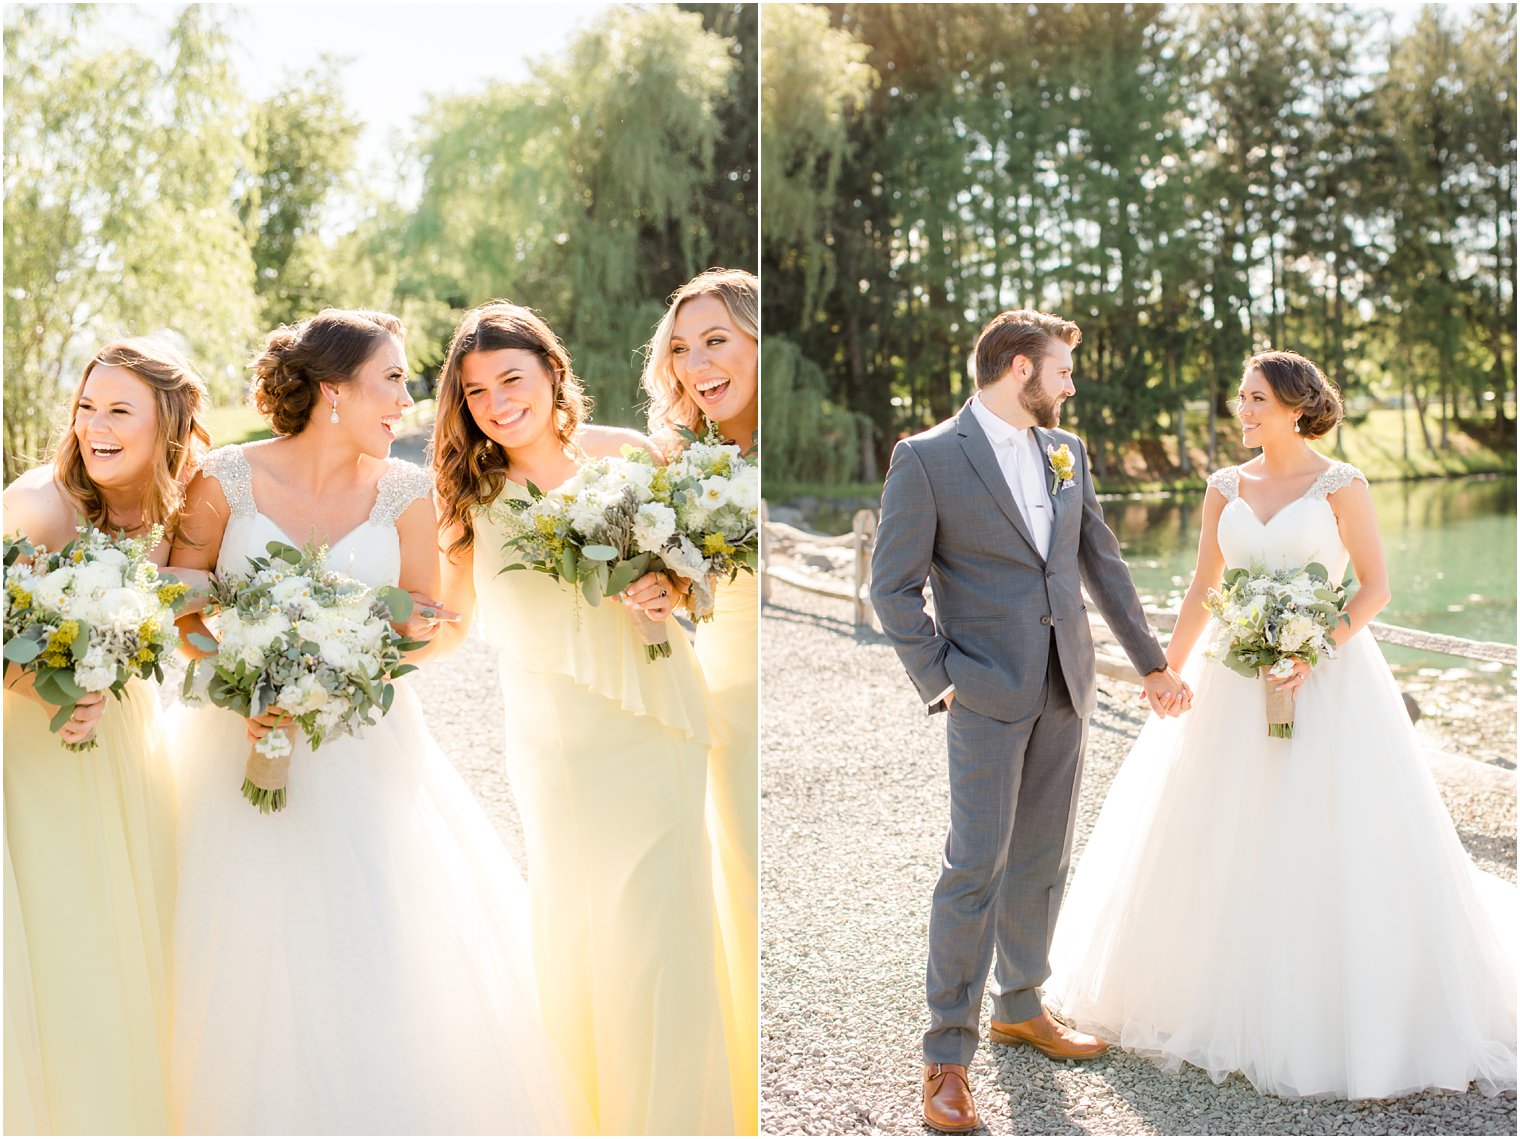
x=469 y=468
x=670 y=407
x=179 y=397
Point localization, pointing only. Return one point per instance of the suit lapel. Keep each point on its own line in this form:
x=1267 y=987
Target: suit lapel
x=1058 y=503
x=978 y=450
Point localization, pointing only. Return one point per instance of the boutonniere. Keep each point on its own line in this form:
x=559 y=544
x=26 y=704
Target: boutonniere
x=1063 y=465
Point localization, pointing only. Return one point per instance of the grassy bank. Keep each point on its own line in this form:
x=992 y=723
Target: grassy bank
x=239 y=423
x=1375 y=445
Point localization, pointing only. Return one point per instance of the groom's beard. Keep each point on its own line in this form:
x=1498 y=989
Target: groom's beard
x=1045 y=409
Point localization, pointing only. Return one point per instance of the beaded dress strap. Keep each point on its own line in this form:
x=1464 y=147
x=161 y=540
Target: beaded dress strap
x=403 y=484
x=1226 y=481
x=1335 y=476
x=231 y=469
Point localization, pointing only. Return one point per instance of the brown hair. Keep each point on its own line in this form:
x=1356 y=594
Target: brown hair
x=468 y=467
x=1019 y=332
x=1300 y=386
x=297 y=359
x=670 y=406
x=179 y=397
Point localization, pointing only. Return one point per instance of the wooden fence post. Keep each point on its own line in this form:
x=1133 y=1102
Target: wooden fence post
x=864 y=526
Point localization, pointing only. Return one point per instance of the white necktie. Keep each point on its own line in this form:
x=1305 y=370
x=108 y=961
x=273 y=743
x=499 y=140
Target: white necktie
x=1029 y=491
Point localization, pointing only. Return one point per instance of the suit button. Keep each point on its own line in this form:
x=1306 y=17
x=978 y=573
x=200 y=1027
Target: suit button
x=1044 y=620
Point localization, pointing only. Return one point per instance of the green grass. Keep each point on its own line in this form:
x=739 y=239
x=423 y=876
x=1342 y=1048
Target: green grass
x=237 y=423
x=1375 y=445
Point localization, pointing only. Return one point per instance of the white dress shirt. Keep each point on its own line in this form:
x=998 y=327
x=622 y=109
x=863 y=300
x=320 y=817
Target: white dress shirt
x=1025 y=470
x=1027 y=475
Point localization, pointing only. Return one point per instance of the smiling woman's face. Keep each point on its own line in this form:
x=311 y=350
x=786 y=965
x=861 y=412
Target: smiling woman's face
x=1263 y=418
x=510 y=395
x=715 y=360
x=116 y=426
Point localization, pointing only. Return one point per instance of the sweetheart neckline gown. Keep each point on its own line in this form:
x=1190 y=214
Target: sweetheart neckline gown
x=1300 y=911
x=357 y=963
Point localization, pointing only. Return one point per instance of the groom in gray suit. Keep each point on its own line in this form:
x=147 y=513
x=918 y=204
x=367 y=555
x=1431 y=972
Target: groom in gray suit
x=994 y=509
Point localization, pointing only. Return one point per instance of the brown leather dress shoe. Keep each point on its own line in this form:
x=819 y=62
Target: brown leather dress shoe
x=1048 y=1035
x=948 y=1105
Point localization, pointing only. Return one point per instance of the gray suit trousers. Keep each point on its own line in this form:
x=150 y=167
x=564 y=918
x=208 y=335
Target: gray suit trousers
x=1013 y=800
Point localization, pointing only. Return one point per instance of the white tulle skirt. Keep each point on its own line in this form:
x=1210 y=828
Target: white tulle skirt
x=1300 y=911
x=359 y=962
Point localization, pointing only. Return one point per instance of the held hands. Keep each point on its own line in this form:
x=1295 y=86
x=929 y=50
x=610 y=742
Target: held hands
x=1167 y=693
x=427 y=616
x=654 y=594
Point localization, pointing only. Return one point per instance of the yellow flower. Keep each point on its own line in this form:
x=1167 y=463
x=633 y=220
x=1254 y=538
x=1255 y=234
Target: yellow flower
x=144 y=656
x=149 y=631
x=716 y=544
x=63 y=637
x=22 y=598
x=1062 y=461
x=171 y=592
x=1063 y=464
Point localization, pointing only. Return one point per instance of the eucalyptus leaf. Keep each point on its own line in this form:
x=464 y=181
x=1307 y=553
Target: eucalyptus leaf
x=623 y=575
x=599 y=553
x=22 y=650
x=591 y=588
x=203 y=642
x=398 y=601
x=62 y=716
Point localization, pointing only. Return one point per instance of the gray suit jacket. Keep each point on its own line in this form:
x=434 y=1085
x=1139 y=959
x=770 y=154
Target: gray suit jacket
x=948 y=518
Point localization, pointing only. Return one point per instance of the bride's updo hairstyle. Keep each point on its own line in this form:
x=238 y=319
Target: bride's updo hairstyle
x=1300 y=386
x=326 y=349
x=469 y=468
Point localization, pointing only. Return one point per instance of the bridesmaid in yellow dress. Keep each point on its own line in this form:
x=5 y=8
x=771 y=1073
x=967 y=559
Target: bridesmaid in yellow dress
x=606 y=750
x=703 y=367
x=89 y=836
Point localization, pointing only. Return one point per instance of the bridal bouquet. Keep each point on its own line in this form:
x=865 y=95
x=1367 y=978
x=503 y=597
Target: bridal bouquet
x=602 y=530
x=714 y=490
x=315 y=644
x=1271 y=619
x=89 y=617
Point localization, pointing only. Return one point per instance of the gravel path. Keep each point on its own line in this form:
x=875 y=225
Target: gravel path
x=853 y=802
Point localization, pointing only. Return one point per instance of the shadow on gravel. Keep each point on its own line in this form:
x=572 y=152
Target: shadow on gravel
x=780 y=612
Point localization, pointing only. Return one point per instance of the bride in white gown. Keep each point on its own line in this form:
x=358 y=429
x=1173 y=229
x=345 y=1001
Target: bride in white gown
x=1298 y=910
x=358 y=962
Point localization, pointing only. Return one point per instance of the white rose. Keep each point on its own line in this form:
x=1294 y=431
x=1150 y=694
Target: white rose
x=335 y=653
x=126 y=608
x=51 y=591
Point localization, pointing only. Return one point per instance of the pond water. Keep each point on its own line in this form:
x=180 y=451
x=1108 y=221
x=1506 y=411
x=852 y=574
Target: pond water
x=1450 y=546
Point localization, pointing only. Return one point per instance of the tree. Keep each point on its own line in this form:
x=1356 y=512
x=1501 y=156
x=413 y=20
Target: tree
x=302 y=151
x=119 y=219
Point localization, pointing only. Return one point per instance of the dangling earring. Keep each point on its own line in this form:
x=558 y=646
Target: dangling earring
x=333 y=418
